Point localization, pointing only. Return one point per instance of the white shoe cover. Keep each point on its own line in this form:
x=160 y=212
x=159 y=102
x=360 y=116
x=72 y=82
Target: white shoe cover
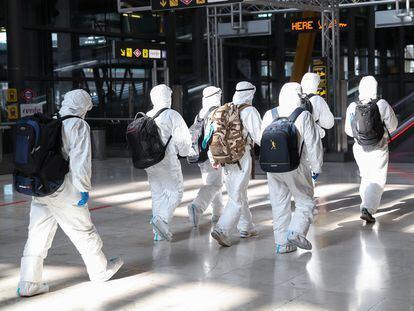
x=113 y=266
x=28 y=289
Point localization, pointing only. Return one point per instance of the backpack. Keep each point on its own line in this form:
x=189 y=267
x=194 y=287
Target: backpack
x=279 y=151
x=367 y=125
x=144 y=140
x=306 y=103
x=39 y=166
x=228 y=145
x=197 y=131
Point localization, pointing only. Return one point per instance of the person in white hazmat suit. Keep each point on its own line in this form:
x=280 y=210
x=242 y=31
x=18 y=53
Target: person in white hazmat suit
x=321 y=113
x=236 y=211
x=211 y=191
x=290 y=230
x=67 y=207
x=166 y=178
x=372 y=160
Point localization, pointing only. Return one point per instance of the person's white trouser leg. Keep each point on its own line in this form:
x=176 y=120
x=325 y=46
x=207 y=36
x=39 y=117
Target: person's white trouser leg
x=210 y=192
x=42 y=229
x=60 y=208
x=237 y=181
x=373 y=167
x=301 y=187
x=166 y=183
x=280 y=199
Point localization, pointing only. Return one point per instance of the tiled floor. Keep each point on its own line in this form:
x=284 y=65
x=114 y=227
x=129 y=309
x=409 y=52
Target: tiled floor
x=352 y=266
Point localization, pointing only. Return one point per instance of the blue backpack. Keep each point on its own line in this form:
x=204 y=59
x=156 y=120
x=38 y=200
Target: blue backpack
x=39 y=166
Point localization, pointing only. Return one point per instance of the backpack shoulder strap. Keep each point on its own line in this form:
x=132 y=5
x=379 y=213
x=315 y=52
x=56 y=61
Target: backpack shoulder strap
x=295 y=114
x=275 y=114
x=159 y=113
x=244 y=106
x=69 y=117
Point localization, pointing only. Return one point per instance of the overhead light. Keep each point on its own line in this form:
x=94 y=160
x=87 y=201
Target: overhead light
x=135 y=16
x=125 y=14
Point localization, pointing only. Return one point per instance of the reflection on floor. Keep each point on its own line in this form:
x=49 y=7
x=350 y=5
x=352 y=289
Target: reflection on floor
x=352 y=266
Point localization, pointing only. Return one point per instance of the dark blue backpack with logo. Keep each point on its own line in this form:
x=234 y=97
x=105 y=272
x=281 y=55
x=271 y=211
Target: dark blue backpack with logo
x=279 y=150
x=39 y=166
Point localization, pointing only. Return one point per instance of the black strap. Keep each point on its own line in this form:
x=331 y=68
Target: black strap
x=159 y=112
x=295 y=114
x=309 y=96
x=68 y=117
x=242 y=90
x=218 y=92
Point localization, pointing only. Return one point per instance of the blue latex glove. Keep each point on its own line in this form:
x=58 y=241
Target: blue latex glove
x=84 y=199
x=315 y=176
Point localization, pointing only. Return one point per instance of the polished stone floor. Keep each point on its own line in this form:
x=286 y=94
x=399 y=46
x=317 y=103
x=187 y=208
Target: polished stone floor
x=352 y=266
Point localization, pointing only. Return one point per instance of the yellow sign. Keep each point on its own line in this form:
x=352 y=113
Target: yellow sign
x=129 y=52
x=11 y=95
x=12 y=112
x=163 y=3
x=122 y=52
x=145 y=53
x=200 y=1
x=173 y=2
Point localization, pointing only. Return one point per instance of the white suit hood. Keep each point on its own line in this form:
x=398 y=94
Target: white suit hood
x=310 y=83
x=76 y=103
x=244 y=93
x=289 y=98
x=211 y=98
x=161 y=97
x=368 y=87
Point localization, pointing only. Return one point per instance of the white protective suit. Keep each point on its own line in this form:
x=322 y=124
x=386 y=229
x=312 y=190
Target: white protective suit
x=321 y=113
x=211 y=191
x=237 y=210
x=372 y=160
x=297 y=183
x=166 y=178
x=61 y=208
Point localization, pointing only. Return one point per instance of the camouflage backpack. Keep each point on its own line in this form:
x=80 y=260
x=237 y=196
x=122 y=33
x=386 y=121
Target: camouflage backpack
x=228 y=145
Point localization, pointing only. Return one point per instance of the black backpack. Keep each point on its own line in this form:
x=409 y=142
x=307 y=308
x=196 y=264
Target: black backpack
x=367 y=125
x=144 y=140
x=39 y=166
x=197 y=131
x=306 y=103
x=279 y=151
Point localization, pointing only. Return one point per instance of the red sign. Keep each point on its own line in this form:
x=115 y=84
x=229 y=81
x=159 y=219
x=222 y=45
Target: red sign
x=186 y=2
x=28 y=94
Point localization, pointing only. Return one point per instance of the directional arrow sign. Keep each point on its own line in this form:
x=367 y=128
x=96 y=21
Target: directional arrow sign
x=138 y=51
x=163 y=3
x=122 y=52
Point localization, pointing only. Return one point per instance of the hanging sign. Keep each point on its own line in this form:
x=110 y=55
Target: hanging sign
x=139 y=50
x=164 y=5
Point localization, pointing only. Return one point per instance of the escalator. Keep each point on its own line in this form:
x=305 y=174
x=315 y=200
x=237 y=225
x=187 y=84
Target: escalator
x=402 y=139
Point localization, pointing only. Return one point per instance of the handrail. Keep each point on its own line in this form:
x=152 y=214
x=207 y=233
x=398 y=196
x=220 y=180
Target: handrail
x=403 y=128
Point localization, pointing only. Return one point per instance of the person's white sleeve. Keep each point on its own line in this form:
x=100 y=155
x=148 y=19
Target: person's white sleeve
x=313 y=143
x=326 y=118
x=253 y=124
x=267 y=120
x=388 y=115
x=350 y=112
x=181 y=135
x=80 y=156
